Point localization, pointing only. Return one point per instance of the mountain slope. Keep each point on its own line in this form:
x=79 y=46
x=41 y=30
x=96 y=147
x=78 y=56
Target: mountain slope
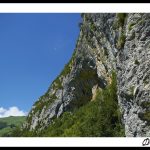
x=107 y=43
x=100 y=117
x=7 y=125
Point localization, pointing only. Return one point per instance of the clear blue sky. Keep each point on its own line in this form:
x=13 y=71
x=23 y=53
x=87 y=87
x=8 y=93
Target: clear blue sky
x=33 y=50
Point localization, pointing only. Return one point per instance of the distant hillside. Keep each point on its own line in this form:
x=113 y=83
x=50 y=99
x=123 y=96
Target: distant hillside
x=7 y=125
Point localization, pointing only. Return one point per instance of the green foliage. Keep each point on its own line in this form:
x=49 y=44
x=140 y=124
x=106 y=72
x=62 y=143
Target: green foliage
x=130 y=26
x=92 y=26
x=68 y=66
x=47 y=99
x=116 y=25
x=121 y=19
x=16 y=132
x=87 y=74
x=3 y=125
x=146 y=80
x=9 y=124
x=13 y=120
x=65 y=71
x=145 y=116
x=38 y=107
x=83 y=78
x=145 y=104
x=121 y=41
x=98 y=118
x=23 y=133
x=44 y=100
x=106 y=52
x=136 y=62
x=130 y=95
x=57 y=83
x=141 y=22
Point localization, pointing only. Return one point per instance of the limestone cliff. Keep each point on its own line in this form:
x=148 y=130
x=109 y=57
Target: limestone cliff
x=107 y=42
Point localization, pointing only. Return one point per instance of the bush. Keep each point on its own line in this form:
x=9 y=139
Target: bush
x=121 y=41
x=16 y=132
x=67 y=68
x=145 y=116
x=106 y=52
x=146 y=80
x=121 y=18
x=131 y=26
x=93 y=27
x=145 y=104
x=136 y=62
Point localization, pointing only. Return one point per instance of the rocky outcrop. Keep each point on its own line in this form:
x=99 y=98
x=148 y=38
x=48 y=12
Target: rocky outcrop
x=134 y=75
x=107 y=42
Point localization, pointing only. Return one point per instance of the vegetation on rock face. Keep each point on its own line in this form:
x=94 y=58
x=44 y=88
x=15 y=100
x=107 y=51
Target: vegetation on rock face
x=145 y=104
x=106 y=52
x=136 y=62
x=57 y=83
x=93 y=27
x=98 y=118
x=130 y=26
x=121 y=18
x=146 y=80
x=83 y=81
x=47 y=99
x=146 y=115
x=121 y=41
x=68 y=66
x=119 y=23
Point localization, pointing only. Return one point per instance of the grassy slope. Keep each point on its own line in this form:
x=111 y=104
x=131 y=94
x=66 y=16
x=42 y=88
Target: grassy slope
x=11 y=123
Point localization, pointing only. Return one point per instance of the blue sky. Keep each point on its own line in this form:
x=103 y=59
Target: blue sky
x=33 y=50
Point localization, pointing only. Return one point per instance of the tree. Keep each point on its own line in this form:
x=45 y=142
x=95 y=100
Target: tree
x=3 y=125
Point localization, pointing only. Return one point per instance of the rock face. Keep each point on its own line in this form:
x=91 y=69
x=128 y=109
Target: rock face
x=107 y=42
x=134 y=75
